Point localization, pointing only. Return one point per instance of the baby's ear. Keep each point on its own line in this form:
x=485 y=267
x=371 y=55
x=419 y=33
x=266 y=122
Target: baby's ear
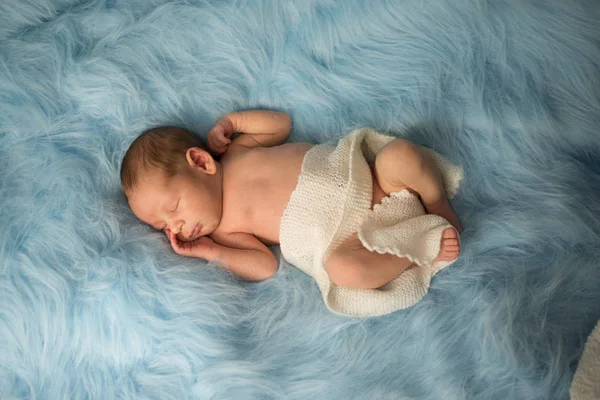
x=198 y=158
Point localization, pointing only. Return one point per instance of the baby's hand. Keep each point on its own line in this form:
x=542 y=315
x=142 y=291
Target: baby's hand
x=202 y=247
x=219 y=137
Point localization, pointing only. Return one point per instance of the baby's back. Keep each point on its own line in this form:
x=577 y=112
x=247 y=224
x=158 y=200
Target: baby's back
x=257 y=185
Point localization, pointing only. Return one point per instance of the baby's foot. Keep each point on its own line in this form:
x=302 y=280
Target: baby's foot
x=450 y=246
x=444 y=210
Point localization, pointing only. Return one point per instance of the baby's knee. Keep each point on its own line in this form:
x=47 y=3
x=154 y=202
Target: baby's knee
x=345 y=270
x=397 y=155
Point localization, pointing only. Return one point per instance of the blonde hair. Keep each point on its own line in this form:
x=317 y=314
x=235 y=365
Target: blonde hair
x=163 y=148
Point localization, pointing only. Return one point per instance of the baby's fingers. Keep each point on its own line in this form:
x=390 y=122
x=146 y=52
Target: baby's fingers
x=211 y=139
x=223 y=141
x=171 y=237
x=220 y=138
x=218 y=144
x=198 y=248
x=178 y=246
x=217 y=149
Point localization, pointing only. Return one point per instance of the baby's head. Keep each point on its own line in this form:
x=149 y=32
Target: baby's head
x=172 y=182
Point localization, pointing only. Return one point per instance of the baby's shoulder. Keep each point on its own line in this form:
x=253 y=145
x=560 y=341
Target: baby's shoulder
x=273 y=155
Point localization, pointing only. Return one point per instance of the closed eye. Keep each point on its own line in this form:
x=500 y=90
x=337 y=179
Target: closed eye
x=176 y=206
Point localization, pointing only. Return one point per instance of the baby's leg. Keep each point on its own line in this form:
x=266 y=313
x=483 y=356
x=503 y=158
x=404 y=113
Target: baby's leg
x=401 y=165
x=352 y=265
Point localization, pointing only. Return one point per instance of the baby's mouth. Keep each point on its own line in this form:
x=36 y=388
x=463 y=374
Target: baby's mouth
x=195 y=231
x=192 y=236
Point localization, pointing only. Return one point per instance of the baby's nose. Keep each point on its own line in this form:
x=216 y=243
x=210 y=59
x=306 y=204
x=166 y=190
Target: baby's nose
x=177 y=227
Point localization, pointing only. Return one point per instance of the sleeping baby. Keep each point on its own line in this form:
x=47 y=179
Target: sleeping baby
x=368 y=217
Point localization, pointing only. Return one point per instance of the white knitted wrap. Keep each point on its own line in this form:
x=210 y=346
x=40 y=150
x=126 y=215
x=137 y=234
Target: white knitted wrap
x=332 y=201
x=586 y=382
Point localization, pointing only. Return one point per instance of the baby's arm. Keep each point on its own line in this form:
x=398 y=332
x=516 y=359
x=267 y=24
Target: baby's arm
x=245 y=256
x=241 y=253
x=259 y=128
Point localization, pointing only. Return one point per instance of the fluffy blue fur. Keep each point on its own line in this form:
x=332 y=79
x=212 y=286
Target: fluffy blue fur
x=94 y=305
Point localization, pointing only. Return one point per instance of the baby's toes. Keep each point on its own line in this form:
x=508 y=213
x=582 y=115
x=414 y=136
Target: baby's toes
x=450 y=248
x=450 y=243
x=449 y=233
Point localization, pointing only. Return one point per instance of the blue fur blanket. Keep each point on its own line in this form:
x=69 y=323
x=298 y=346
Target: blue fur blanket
x=95 y=305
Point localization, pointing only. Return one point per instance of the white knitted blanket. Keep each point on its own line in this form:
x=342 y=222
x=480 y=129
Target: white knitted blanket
x=332 y=201
x=586 y=382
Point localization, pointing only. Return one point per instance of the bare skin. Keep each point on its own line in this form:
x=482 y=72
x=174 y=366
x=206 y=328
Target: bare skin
x=246 y=191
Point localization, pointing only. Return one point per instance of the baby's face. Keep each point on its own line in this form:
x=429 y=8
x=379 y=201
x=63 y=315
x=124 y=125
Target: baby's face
x=188 y=204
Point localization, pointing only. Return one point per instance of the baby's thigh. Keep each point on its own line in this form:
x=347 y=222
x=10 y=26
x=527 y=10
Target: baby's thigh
x=379 y=193
x=347 y=264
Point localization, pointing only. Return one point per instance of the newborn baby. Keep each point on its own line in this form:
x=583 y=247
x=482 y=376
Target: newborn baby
x=330 y=207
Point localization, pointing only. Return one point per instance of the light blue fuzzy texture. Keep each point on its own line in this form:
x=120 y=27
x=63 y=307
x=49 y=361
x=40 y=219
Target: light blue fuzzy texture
x=95 y=305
